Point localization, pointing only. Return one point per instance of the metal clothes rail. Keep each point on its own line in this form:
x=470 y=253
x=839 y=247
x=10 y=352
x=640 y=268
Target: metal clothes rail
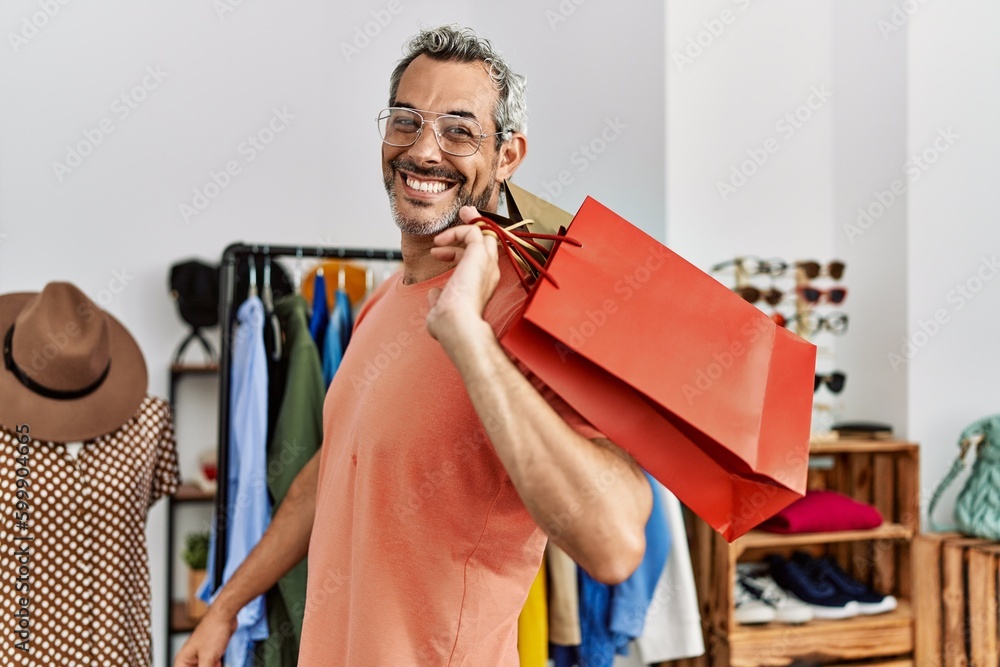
x=227 y=313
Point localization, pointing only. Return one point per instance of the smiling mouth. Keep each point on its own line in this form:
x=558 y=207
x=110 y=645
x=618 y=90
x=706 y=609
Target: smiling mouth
x=425 y=186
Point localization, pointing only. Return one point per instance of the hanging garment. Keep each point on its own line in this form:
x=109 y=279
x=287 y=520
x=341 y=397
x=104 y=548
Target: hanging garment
x=320 y=318
x=673 y=623
x=298 y=433
x=338 y=335
x=533 y=624
x=611 y=616
x=564 y=597
x=87 y=580
x=249 y=508
x=397 y=575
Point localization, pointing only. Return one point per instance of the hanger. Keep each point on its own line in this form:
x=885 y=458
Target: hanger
x=297 y=275
x=252 y=292
x=268 y=299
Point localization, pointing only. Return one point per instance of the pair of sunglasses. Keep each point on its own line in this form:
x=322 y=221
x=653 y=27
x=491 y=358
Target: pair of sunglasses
x=813 y=295
x=814 y=269
x=754 y=265
x=835 y=323
x=833 y=381
x=753 y=295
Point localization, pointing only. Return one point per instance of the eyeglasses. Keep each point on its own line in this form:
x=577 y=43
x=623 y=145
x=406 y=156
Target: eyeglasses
x=835 y=323
x=456 y=135
x=753 y=295
x=755 y=265
x=813 y=269
x=813 y=295
x=833 y=381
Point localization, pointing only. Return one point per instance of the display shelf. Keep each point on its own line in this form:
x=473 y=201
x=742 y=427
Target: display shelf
x=192 y=493
x=759 y=539
x=882 y=473
x=194 y=369
x=857 y=638
x=180 y=621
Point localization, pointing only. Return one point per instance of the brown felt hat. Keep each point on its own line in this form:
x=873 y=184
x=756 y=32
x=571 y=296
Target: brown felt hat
x=70 y=371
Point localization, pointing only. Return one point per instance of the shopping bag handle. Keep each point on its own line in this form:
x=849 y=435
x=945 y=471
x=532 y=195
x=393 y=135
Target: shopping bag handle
x=514 y=244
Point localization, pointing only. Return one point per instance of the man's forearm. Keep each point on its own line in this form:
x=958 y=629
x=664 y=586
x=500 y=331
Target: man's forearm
x=283 y=545
x=591 y=499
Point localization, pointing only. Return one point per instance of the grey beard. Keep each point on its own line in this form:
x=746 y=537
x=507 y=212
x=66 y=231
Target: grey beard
x=416 y=227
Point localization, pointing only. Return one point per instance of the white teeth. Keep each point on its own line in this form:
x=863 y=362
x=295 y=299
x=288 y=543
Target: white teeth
x=426 y=186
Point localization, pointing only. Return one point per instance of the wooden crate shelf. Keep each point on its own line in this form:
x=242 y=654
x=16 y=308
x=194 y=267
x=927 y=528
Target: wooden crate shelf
x=856 y=638
x=882 y=473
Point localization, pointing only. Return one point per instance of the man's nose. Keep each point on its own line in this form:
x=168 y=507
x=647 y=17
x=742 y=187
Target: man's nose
x=426 y=146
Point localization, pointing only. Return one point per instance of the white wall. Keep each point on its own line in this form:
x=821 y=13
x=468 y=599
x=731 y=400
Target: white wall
x=113 y=224
x=954 y=230
x=901 y=74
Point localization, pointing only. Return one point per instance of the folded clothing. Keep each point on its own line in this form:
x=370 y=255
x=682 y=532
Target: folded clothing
x=823 y=512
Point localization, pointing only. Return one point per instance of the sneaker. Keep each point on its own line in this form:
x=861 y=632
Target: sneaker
x=869 y=601
x=821 y=595
x=750 y=608
x=787 y=607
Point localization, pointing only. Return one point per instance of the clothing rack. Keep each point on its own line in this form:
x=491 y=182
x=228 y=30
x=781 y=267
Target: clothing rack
x=227 y=313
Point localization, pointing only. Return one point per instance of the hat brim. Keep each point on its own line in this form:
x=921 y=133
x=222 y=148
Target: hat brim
x=104 y=410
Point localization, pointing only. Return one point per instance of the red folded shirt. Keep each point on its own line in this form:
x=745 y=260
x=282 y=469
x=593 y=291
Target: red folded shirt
x=823 y=512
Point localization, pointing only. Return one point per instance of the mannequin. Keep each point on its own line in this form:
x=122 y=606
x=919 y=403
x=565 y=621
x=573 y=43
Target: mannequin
x=84 y=452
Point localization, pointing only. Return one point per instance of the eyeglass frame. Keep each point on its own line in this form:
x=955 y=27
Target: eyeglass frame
x=433 y=123
x=835 y=322
x=755 y=266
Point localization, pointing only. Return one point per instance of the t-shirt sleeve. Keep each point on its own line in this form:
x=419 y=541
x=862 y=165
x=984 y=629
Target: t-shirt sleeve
x=166 y=475
x=573 y=418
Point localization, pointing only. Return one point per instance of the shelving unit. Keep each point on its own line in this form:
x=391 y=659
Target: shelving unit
x=178 y=620
x=883 y=473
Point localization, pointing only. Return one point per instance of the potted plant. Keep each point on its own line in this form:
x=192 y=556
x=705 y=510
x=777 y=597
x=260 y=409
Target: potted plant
x=195 y=556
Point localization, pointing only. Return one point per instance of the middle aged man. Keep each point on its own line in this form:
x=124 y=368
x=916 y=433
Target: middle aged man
x=423 y=516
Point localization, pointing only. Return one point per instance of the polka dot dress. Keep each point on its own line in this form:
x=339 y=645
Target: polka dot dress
x=83 y=578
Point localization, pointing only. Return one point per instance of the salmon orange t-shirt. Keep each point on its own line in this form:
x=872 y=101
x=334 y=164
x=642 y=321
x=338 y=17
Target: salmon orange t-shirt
x=422 y=552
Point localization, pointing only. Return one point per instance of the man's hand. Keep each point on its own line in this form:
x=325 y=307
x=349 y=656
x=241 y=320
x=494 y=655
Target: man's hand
x=459 y=306
x=207 y=646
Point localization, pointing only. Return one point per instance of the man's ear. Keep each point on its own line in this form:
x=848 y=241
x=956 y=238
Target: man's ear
x=512 y=153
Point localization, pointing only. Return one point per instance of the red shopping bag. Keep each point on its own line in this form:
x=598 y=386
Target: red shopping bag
x=703 y=389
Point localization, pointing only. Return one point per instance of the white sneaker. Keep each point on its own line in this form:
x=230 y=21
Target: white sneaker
x=787 y=607
x=750 y=607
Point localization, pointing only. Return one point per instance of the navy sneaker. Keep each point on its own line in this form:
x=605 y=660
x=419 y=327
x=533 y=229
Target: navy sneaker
x=869 y=601
x=820 y=594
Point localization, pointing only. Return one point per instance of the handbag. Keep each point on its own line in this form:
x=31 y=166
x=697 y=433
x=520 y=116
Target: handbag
x=708 y=394
x=977 y=508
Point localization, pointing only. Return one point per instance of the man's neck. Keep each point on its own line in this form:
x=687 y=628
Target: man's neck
x=418 y=263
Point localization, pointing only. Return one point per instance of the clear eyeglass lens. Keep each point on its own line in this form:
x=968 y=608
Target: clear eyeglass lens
x=455 y=135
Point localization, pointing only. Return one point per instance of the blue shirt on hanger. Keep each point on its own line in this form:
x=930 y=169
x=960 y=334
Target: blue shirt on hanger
x=320 y=318
x=338 y=334
x=248 y=504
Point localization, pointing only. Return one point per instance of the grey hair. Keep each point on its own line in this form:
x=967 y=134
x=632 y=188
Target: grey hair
x=457 y=44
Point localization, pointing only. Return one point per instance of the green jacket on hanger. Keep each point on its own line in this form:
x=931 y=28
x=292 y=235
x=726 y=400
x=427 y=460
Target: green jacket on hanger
x=298 y=435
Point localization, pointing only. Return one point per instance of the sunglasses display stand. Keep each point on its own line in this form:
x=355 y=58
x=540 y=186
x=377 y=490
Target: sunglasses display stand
x=797 y=277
